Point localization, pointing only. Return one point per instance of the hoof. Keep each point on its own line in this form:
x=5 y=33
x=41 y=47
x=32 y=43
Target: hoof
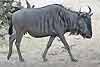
x=22 y=60
x=44 y=60
x=74 y=60
x=8 y=57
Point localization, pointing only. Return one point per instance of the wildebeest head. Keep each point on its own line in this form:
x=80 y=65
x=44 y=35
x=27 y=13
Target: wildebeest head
x=85 y=27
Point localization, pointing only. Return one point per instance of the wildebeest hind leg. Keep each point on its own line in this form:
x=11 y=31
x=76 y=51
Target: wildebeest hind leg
x=66 y=47
x=17 y=43
x=48 y=46
x=11 y=40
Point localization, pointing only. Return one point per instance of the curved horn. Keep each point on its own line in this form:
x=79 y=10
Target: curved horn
x=28 y=4
x=89 y=10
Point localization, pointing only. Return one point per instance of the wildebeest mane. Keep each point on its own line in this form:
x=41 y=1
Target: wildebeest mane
x=72 y=26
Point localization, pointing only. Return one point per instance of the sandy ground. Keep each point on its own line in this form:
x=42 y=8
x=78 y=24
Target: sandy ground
x=86 y=51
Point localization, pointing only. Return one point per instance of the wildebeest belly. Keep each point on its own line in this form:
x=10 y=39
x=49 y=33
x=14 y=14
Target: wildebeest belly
x=38 y=35
x=36 y=32
x=40 y=30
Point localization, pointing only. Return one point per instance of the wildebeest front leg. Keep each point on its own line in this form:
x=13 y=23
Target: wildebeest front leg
x=48 y=46
x=17 y=43
x=11 y=40
x=66 y=47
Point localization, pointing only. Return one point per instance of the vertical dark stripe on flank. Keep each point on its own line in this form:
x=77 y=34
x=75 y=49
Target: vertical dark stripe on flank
x=48 y=25
x=42 y=24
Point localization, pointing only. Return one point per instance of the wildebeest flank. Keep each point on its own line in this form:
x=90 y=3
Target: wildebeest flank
x=52 y=20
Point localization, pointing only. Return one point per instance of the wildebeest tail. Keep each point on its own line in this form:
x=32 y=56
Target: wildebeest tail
x=10 y=31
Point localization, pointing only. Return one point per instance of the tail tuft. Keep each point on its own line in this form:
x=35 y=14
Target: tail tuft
x=10 y=31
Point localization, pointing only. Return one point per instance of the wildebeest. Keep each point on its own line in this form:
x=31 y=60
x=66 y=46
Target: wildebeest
x=51 y=20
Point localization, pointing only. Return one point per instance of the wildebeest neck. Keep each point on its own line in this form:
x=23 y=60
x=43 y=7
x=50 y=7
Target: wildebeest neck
x=70 y=19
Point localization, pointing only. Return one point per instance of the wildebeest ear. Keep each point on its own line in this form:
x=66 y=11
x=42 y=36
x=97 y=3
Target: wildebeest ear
x=33 y=6
x=80 y=14
x=91 y=14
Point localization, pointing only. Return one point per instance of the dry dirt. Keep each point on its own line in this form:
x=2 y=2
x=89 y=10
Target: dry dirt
x=87 y=51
